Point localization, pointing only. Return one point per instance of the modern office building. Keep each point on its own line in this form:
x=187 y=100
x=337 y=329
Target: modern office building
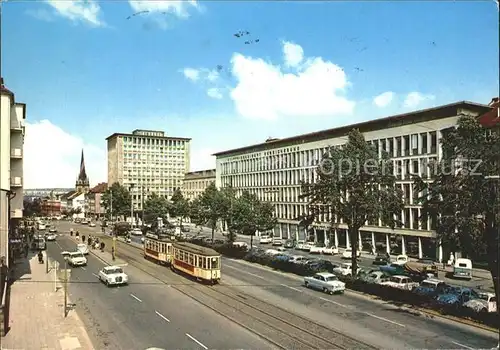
x=196 y=182
x=12 y=128
x=147 y=161
x=273 y=171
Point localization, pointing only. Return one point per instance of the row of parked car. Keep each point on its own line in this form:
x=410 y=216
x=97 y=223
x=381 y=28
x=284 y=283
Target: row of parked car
x=418 y=278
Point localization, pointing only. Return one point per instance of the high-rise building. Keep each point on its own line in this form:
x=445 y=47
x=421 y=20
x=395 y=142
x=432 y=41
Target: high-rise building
x=147 y=161
x=12 y=116
x=273 y=170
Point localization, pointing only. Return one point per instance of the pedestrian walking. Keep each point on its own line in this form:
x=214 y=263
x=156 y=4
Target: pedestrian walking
x=83 y=238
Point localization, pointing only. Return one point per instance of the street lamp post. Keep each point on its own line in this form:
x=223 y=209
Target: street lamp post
x=131 y=206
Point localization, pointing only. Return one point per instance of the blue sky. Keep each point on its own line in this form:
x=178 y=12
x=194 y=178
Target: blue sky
x=85 y=71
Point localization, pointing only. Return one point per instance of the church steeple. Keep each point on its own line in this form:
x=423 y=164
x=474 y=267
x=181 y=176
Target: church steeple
x=82 y=183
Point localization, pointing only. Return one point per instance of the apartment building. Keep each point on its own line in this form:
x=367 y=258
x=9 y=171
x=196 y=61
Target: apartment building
x=93 y=201
x=147 y=161
x=273 y=171
x=12 y=117
x=196 y=182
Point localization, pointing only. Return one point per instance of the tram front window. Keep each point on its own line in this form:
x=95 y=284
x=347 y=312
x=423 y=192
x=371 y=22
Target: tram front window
x=215 y=263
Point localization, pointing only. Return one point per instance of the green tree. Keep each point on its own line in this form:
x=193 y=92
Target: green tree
x=155 y=207
x=251 y=215
x=120 y=198
x=178 y=206
x=209 y=208
x=357 y=186
x=462 y=195
x=228 y=200
x=33 y=207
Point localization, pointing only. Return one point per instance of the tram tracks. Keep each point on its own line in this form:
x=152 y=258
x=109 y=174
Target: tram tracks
x=276 y=325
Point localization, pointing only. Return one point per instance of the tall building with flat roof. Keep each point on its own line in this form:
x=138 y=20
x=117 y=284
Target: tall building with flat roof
x=12 y=116
x=274 y=169
x=147 y=161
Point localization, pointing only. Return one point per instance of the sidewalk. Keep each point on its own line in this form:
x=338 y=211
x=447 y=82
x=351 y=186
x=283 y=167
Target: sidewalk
x=36 y=313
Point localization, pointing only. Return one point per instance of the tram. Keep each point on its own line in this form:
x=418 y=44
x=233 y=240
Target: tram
x=199 y=262
x=157 y=249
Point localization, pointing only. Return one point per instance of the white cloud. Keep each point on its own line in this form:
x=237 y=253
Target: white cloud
x=214 y=93
x=191 y=73
x=41 y=14
x=52 y=157
x=413 y=99
x=212 y=76
x=202 y=159
x=384 y=99
x=264 y=91
x=177 y=8
x=293 y=54
x=87 y=11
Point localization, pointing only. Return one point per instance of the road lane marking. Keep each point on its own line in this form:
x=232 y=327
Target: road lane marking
x=292 y=288
x=248 y=273
x=59 y=245
x=136 y=298
x=166 y=319
x=462 y=345
x=83 y=268
x=196 y=341
x=334 y=302
x=385 y=319
x=95 y=275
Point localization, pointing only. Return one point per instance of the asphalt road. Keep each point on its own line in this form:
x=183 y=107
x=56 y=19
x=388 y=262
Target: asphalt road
x=145 y=313
x=372 y=321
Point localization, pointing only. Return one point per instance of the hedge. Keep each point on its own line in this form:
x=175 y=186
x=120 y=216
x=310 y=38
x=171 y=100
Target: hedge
x=387 y=293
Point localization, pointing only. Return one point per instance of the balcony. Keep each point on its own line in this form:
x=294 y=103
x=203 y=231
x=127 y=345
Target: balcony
x=17 y=126
x=16 y=153
x=16 y=181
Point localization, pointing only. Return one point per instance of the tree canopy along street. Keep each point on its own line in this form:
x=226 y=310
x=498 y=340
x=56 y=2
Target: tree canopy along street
x=463 y=192
x=355 y=186
x=117 y=200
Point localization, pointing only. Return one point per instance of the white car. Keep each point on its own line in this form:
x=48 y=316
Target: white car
x=52 y=229
x=307 y=246
x=331 y=250
x=400 y=282
x=76 y=259
x=83 y=248
x=317 y=249
x=345 y=269
x=487 y=302
x=92 y=224
x=142 y=240
x=136 y=232
x=277 y=241
x=297 y=259
x=325 y=281
x=50 y=237
x=347 y=254
x=265 y=240
x=401 y=260
x=113 y=276
x=299 y=245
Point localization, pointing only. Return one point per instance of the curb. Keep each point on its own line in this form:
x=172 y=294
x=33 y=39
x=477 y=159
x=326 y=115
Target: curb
x=355 y=292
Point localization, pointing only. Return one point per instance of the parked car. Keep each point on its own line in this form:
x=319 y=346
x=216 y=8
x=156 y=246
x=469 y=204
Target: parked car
x=428 y=266
x=265 y=239
x=400 y=282
x=347 y=254
x=327 y=282
x=382 y=258
x=401 y=260
x=297 y=259
x=457 y=296
x=277 y=242
x=319 y=248
x=462 y=268
x=331 y=250
x=487 y=302
x=300 y=244
x=344 y=269
x=92 y=224
x=431 y=287
x=52 y=229
x=375 y=277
